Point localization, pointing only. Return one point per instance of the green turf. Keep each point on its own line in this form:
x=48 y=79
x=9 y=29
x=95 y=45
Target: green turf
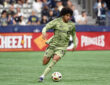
x=77 y=68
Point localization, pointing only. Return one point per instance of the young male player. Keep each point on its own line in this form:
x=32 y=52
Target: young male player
x=63 y=28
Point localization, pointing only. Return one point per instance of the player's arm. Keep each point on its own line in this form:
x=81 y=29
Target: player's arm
x=48 y=26
x=74 y=37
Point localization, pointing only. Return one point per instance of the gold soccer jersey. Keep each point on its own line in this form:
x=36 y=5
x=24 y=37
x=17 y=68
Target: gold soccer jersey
x=62 y=32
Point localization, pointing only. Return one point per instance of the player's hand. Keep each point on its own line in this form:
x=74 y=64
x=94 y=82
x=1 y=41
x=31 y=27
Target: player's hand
x=44 y=36
x=74 y=48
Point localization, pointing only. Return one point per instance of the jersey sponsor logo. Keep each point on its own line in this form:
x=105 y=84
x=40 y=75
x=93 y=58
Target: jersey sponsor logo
x=15 y=41
x=98 y=41
x=70 y=27
x=61 y=26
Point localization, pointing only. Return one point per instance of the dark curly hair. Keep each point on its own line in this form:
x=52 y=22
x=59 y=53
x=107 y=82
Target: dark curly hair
x=65 y=11
x=4 y=11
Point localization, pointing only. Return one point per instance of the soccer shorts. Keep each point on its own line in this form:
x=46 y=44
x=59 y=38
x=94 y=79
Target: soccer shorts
x=51 y=51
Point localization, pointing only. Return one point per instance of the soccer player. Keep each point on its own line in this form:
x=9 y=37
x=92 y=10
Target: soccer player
x=58 y=44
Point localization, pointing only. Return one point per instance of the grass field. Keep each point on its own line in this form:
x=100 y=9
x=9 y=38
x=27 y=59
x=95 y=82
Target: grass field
x=77 y=68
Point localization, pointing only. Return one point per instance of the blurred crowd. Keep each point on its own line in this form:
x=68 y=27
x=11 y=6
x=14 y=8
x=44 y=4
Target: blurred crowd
x=100 y=9
x=41 y=12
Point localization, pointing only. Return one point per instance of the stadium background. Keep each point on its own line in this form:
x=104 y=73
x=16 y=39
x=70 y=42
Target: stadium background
x=88 y=5
x=77 y=67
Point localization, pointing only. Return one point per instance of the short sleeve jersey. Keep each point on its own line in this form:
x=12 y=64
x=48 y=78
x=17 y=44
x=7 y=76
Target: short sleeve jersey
x=62 y=32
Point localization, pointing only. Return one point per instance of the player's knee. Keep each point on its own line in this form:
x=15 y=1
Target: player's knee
x=57 y=58
x=44 y=62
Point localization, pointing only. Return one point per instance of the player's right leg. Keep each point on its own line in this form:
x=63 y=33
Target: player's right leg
x=47 y=56
x=49 y=67
x=57 y=56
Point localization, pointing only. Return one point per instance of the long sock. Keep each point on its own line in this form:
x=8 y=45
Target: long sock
x=49 y=67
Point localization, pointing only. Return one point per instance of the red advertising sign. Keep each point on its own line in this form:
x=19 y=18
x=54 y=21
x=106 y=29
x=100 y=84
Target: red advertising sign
x=22 y=41
x=93 y=41
x=34 y=41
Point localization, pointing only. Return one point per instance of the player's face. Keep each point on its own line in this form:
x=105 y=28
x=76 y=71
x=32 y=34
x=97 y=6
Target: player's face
x=66 y=18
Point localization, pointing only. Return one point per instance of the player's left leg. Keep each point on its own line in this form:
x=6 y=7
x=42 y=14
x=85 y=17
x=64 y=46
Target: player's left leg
x=47 y=55
x=46 y=60
x=56 y=58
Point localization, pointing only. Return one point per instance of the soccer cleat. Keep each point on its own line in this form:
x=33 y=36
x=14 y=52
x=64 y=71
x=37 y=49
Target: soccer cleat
x=41 y=79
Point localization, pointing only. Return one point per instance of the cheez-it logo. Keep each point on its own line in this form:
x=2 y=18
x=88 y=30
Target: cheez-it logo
x=23 y=41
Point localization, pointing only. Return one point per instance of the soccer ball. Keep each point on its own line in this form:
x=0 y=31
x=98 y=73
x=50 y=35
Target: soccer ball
x=56 y=76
